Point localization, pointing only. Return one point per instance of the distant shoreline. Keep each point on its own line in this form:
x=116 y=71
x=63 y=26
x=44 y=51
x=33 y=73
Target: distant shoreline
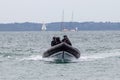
x=56 y=26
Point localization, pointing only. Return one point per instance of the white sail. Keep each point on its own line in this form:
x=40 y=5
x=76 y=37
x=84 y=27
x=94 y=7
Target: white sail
x=43 y=27
x=76 y=28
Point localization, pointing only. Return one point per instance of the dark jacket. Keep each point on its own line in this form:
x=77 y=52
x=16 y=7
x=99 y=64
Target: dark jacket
x=53 y=43
x=67 y=41
x=58 y=40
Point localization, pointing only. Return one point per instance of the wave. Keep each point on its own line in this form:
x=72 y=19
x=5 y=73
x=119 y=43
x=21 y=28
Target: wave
x=37 y=58
x=98 y=56
x=95 y=56
x=33 y=57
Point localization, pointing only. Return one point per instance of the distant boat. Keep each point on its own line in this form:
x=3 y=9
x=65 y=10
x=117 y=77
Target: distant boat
x=76 y=29
x=71 y=25
x=43 y=27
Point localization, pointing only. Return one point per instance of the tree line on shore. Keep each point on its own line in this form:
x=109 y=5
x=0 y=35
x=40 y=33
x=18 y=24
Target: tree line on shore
x=57 y=26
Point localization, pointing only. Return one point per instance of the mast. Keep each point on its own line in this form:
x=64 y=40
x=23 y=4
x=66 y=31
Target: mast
x=71 y=23
x=62 y=26
x=72 y=17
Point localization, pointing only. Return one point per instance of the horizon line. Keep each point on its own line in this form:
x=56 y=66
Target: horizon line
x=61 y=21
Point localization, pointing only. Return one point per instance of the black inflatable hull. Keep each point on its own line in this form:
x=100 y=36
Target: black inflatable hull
x=62 y=51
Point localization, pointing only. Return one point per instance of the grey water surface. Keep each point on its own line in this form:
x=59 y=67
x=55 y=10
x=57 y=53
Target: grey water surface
x=21 y=56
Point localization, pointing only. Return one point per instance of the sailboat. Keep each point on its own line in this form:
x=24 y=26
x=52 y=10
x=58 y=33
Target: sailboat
x=43 y=27
x=73 y=29
x=71 y=24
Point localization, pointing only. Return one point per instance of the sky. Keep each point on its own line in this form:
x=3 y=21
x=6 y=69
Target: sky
x=51 y=10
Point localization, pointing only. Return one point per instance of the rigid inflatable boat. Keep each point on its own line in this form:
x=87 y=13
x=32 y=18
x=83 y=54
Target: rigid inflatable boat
x=62 y=51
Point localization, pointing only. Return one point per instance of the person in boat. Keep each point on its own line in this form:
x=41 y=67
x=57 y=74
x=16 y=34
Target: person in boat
x=58 y=41
x=66 y=39
x=53 y=42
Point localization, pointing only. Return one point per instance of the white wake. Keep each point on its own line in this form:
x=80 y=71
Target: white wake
x=98 y=56
x=95 y=56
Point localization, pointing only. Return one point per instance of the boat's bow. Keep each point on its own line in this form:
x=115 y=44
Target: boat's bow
x=62 y=49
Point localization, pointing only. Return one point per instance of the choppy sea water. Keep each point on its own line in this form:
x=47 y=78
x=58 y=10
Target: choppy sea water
x=21 y=56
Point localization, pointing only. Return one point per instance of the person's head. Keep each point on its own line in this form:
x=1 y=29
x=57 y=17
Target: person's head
x=65 y=36
x=58 y=38
x=54 y=38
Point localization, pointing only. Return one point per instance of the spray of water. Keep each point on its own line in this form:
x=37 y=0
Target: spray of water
x=36 y=58
x=95 y=56
x=98 y=56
